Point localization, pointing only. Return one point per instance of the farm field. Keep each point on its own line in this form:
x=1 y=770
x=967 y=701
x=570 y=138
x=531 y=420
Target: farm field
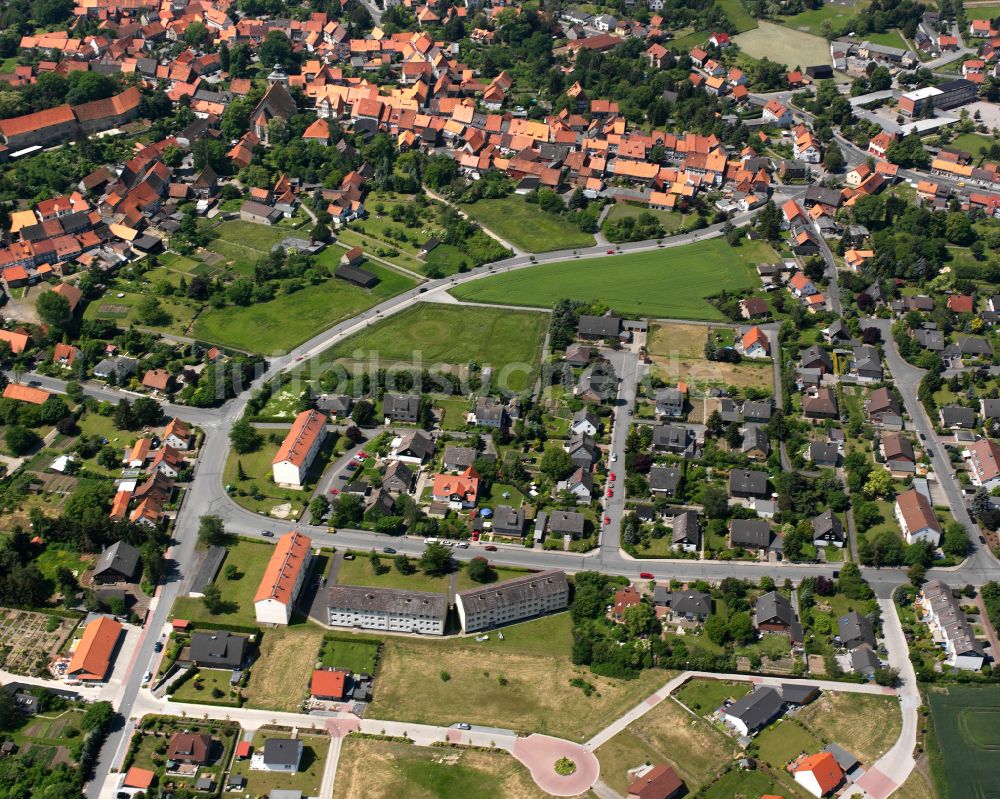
x=290 y=319
x=250 y=559
x=672 y=221
x=811 y=20
x=454 y=336
x=678 y=352
x=371 y=769
x=790 y=47
x=668 y=283
x=866 y=725
x=666 y=733
x=738 y=15
x=537 y=695
x=967 y=731
x=526 y=226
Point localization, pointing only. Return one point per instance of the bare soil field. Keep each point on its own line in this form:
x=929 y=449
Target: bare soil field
x=279 y=679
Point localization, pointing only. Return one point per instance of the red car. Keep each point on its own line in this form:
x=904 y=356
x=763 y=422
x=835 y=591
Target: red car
x=490 y=548
x=646 y=575
x=607 y=520
x=611 y=493
x=612 y=477
x=611 y=252
x=475 y=536
x=334 y=491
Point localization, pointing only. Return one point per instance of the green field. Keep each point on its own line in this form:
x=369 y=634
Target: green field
x=668 y=283
x=890 y=38
x=360 y=572
x=290 y=319
x=967 y=731
x=982 y=12
x=672 y=221
x=704 y=696
x=738 y=15
x=123 y=310
x=453 y=336
x=811 y=20
x=972 y=142
x=784 y=741
x=251 y=559
x=526 y=226
x=358 y=655
x=199 y=688
x=784 y=45
x=743 y=783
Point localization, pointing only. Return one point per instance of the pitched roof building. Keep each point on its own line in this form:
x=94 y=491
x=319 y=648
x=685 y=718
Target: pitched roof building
x=283 y=579
x=297 y=452
x=512 y=600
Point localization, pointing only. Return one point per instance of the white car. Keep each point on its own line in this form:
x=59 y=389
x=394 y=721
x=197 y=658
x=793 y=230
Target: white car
x=614 y=457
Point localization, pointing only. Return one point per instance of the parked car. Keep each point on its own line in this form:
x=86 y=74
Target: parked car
x=646 y=575
x=389 y=550
x=611 y=493
x=158 y=646
x=267 y=534
x=612 y=477
x=464 y=726
x=490 y=548
x=607 y=520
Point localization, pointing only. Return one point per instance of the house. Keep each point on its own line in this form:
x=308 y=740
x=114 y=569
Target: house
x=753 y=711
x=578 y=354
x=337 y=405
x=217 y=649
x=398 y=478
x=828 y=530
x=801 y=286
x=117 y=368
x=746 y=484
x=356 y=275
x=690 y=605
x=757 y=411
x=458 y=459
x=387 y=609
x=566 y=523
x=659 y=782
x=189 y=747
x=777 y=114
x=177 y=434
x=961 y=303
x=984 y=463
x=414 y=446
x=854 y=630
x=897 y=450
x=156 y=380
x=865 y=661
x=675 y=439
x=664 y=480
x=815 y=357
x=686 y=534
x=508 y=521
x=64 y=354
x=821 y=404
x=328 y=684
x=512 y=600
x=400 y=408
x=580 y=484
x=23 y=393
x=91 y=659
x=670 y=402
x=458 y=491
x=259 y=213
x=608 y=326
x=582 y=450
x=820 y=774
x=119 y=563
x=749 y=534
x=585 y=421
x=280 y=754
x=916 y=518
x=883 y=410
x=754 y=308
x=824 y=454
x=755 y=443
x=867 y=364
x=625 y=598
x=295 y=456
x=754 y=344
x=956 y=417
x=488 y=412
x=283 y=578
x=949 y=626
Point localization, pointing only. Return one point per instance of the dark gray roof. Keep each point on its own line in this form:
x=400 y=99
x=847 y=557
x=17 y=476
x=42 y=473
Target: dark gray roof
x=751 y=533
x=671 y=436
x=991 y=408
x=281 y=752
x=404 y=404
x=687 y=528
x=356 y=275
x=564 y=521
x=516 y=591
x=693 y=602
x=387 y=600
x=864 y=660
x=455 y=455
x=664 y=478
x=759 y=410
x=747 y=482
x=507 y=520
x=754 y=437
x=334 y=403
x=823 y=452
x=419 y=442
x=218 y=648
x=773 y=606
x=607 y=326
x=844 y=759
x=798 y=694
x=814 y=355
x=757 y=708
x=855 y=629
x=827 y=526
x=958 y=416
x=120 y=558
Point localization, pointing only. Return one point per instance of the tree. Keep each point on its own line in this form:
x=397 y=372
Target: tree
x=320 y=232
x=741 y=628
x=97 y=717
x=955 y=542
x=639 y=619
x=20 y=440
x=716 y=629
x=275 y=49
x=833 y=158
x=715 y=502
x=245 y=437
x=212 y=597
x=147 y=412
x=403 y=564
x=556 y=462
x=480 y=571
x=53 y=308
x=150 y=312
x=713 y=424
x=363 y=413
x=195 y=34
x=318 y=508
x=212 y=531
x=734 y=438
x=436 y=560
x=878 y=484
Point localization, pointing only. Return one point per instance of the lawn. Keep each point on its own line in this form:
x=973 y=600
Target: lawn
x=705 y=696
x=251 y=559
x=738 y=15
x=666 y=733
x=537 y=696
x=743 y=783
x=811 y=20
x=451 y=337
x=54 y=556
x=866 y=725
x=526 y=226
x=454 y=410
x=786 y=46
x=359 y=655
x=784 y=741
x=972 y=142
x=199 y=688
x=982 y=12
x=280 y=677
x=347 y=238
x=446 y=259
x=672 y=221
x=359 y=572
x=122 y=311
x=967 y=731
x=890 y=38
x=307 y=779
x=290 y=319
x=669 y=283
x=372 y=769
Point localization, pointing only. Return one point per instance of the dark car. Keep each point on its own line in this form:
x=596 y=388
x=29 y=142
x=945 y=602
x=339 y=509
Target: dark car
x=267 y=534
x=158 y=646
x=389 y=550
x=490 y=548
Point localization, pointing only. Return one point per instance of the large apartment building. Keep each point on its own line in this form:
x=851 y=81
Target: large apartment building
x=299 y=449
x=387 y=609
x=513 y=600
x=283 y=579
